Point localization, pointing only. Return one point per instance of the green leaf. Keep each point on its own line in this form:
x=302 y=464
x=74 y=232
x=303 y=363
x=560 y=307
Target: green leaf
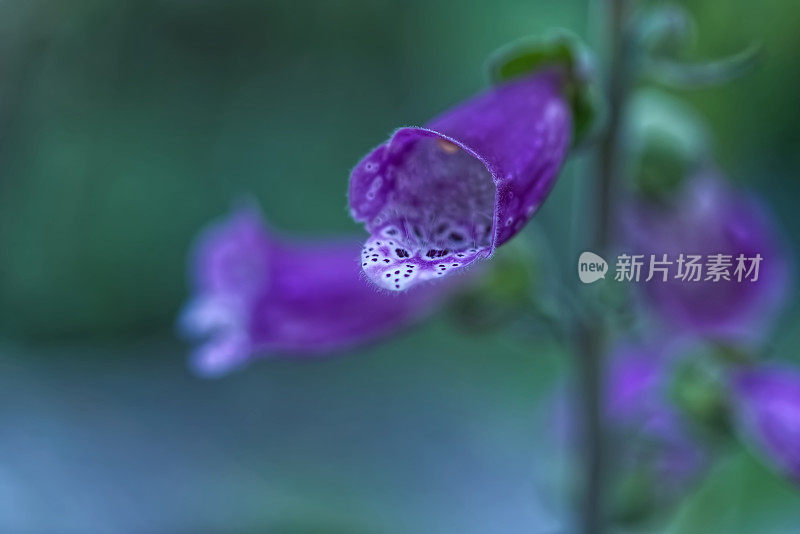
x=563 y=49
x=663 y=34
x=677 y=73
x=699 y=389
x=668 y=140
x=665 y=29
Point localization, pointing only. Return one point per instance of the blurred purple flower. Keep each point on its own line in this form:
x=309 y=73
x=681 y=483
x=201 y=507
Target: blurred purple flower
x=708 y=216
x=638 y=404
x=439 y=197
x=256 y=293
x=767 y=406
x=656 y=454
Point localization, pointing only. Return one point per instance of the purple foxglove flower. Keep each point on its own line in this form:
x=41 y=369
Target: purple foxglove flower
x=651 y=438
x=255 y=293
x=707 y=216
x=439 y=197
x=767 y=406
x=637 y=402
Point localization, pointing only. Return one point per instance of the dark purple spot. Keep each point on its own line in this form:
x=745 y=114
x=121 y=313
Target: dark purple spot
x=436 y=253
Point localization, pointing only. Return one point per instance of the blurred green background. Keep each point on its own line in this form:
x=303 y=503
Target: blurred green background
x=126 y=126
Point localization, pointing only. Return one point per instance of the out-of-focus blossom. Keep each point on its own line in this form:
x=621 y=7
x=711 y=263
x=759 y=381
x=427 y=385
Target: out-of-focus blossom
x=656 y=454
x=255 y=293
x=767 y=407
x=437 y=198
x=706 y=217
x=656 y=433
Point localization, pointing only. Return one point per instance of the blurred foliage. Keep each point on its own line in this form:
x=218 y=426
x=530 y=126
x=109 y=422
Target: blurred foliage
x=665 y=142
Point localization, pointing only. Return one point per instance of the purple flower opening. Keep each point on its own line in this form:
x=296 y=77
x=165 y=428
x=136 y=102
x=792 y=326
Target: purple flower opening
x=767 y=401
x=255 y=293
x=437 y=198
x=708 y=216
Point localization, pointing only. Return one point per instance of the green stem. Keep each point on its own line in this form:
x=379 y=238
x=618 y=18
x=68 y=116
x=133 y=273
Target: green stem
x=592 y=335
x=616 y=92
x=590 y=348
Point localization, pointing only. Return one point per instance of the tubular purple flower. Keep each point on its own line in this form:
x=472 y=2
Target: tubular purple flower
x=638 y=401
x=255 y=293
x=709 y=217
x=767 y=407
x=439 y=197
x=652 y=437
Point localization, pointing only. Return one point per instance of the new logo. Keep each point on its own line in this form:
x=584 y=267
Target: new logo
x=591 y=267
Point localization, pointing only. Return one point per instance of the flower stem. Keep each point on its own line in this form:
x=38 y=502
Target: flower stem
x=592 y=335
x=590 y=347
x=616 y=93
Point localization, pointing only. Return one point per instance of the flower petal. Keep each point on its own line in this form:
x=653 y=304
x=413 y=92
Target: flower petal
x=440 y=197
x=256 y=293
x=706 y=217
x=768 y=412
